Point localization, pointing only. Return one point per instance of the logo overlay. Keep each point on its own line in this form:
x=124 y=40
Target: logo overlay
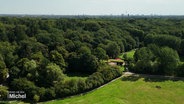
x=16 y=95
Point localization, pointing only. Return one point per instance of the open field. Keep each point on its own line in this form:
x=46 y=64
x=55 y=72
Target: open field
x=132 y=90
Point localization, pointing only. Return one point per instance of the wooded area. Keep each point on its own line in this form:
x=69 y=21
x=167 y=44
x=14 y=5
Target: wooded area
x=37 y=53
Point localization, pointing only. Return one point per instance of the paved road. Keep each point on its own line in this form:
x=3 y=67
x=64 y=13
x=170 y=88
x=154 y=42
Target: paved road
x=128 y=73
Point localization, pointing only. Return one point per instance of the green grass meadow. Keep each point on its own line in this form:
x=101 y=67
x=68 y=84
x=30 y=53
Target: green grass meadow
x=130 y=54
x=132 y=90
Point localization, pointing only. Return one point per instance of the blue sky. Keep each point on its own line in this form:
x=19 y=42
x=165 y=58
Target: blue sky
x=92 y=7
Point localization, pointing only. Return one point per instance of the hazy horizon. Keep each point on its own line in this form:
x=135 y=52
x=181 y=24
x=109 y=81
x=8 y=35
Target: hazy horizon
x=92 y=7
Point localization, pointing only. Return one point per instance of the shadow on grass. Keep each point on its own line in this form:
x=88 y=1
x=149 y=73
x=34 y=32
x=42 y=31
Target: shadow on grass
x=151 y=78
x=75 y=74
x=130 y=78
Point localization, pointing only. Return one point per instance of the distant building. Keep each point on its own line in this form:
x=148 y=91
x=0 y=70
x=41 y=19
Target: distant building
x=116 y=61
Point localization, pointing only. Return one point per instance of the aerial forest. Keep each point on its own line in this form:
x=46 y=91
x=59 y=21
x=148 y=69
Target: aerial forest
x=38 y=54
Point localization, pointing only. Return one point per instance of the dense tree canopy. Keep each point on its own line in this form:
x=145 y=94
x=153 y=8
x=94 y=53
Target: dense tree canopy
x=37 y=53
x=156 y=60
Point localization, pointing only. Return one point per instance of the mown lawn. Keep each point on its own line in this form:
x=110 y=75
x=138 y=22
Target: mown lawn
x=130 y=54
x=132 y=90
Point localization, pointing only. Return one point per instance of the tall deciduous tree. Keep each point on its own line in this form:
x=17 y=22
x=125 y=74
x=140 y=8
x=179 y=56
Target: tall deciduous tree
x=57 y=58
x=53 y=74
x=169 y=60
x=20 y=32
x=100 y=53
x=3 y=72
x=113 y=50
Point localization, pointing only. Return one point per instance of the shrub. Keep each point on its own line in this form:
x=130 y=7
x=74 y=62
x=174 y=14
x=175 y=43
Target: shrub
x=3 y=92
x=36 y=98
x=180 y=70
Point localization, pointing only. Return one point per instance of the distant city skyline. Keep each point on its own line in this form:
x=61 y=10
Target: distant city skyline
x=92 y=7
